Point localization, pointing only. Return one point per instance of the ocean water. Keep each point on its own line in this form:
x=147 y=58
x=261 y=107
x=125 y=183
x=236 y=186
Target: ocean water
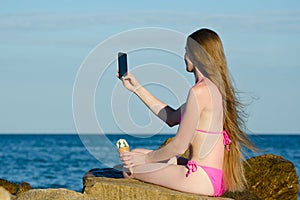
x=60 y=161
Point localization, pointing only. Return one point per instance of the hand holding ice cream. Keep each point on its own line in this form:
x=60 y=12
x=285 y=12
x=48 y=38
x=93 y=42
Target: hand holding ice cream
x=123 y=147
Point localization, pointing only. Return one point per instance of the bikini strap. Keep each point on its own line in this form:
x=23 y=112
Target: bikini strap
x=200 y=80
x=226 y=138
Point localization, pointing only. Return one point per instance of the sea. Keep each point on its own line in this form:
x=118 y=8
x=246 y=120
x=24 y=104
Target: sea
x=61 y=160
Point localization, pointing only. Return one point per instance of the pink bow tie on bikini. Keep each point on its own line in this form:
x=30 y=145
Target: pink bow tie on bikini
x=226 y=140
x=192 y=167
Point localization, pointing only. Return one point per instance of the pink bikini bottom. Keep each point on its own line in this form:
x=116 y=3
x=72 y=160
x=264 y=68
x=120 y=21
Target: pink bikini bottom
x=215 y=175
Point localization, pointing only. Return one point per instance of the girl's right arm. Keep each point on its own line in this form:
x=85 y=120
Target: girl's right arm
x=159 y=108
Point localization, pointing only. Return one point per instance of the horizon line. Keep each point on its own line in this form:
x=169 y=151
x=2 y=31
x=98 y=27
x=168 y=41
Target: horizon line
x=120 y=133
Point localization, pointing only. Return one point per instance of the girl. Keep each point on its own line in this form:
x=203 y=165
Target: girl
x=210 y=126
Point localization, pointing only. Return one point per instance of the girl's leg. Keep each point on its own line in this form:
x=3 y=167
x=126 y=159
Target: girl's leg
x=142 y=150
x=174 y=177
x=180 y=160
x=147 y=167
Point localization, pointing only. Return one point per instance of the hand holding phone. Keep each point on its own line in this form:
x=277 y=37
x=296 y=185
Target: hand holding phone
x=122 y=61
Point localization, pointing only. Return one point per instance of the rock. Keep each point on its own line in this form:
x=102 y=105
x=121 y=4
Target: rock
x=50 y=194
x=104 y=172
x=97 y=188
x=246 y=194
x=14 y=188
x=272 y=177
x=4 y=194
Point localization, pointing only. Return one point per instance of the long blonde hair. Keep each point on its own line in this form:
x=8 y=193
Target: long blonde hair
x=206 y=48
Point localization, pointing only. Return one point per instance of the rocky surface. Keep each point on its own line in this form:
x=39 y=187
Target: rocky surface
x=50 y=194
x=272 y=177
x=15 y=188
x=129 y=189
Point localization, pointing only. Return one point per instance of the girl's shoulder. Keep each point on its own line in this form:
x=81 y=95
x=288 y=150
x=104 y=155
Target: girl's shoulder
x=201 y=92
x=200 y=89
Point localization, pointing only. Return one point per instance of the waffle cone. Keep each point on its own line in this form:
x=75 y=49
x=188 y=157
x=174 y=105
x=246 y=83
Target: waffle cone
x=123 y=149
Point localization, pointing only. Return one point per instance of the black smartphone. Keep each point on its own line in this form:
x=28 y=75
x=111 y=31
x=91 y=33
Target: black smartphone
x=122 y=60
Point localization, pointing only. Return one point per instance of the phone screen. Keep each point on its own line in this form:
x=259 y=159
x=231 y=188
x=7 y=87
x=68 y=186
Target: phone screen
x=122 y=59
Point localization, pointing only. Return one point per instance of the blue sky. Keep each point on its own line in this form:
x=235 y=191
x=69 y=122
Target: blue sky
x=43 y=44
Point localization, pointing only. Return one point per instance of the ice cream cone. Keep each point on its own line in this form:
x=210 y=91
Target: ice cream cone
x=123 y=147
